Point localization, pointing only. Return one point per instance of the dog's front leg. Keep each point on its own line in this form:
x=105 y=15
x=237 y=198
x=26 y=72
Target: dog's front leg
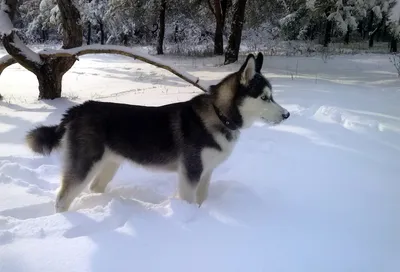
x=187 y=184
x=202 y=189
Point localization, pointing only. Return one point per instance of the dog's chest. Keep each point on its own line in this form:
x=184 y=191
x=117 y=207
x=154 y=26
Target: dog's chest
x=212 y=157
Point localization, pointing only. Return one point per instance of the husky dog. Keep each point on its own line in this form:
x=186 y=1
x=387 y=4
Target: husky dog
x=191 y=137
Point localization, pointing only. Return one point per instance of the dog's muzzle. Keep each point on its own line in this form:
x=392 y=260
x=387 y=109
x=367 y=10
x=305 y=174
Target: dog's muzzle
x=285 y=115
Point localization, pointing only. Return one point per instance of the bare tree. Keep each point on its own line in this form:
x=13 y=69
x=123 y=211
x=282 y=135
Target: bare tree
x=328 y=32
x=235 y=38
x=375 y=31
x=219 y=9
x=50 y=65
x=161 y=32
x=49 y=70
x=393 y=44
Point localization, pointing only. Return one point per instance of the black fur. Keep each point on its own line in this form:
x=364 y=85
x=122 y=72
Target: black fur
x=259 y=62
x=44 y=139
x=93 y=125
x=256 y=86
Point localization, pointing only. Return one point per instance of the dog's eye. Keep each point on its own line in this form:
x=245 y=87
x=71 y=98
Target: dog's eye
x=264 y=97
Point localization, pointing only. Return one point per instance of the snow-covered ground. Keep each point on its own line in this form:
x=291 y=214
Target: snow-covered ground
x=320 y=192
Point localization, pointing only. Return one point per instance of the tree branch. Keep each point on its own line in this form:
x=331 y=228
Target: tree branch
x=14 y=46
x=72 y=29
x=21 y=53
x=125 y=51
x=6 y=61
x=211 y=7
x=112 y=49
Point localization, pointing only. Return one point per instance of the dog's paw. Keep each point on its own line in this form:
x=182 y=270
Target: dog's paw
x=182 y=210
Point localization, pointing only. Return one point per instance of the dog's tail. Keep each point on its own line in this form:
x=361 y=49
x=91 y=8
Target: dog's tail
x=44 y=139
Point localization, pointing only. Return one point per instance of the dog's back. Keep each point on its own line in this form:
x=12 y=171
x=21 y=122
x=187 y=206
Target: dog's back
x=145 y=135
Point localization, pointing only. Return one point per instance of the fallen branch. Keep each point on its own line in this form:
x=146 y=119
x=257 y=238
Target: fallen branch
x=113 y=49
x=125 y=51
x=6 y=61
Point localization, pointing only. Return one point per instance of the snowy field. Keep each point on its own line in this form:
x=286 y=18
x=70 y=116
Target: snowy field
x=318 y=193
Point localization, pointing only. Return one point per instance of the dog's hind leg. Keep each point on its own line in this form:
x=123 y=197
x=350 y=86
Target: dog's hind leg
x=82 y=162
x=202 y=189
x=73 y=184
x=104 y=176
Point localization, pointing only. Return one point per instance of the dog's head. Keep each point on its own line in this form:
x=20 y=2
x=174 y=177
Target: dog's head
x=258 y=101
x=246 y=95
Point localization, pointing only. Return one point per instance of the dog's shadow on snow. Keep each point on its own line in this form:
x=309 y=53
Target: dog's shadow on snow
x=128 y=224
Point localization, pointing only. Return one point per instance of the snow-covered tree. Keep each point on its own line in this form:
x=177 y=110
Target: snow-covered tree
x=394 y=27
x=49 y=71
x=42 y=16
x=94 y=12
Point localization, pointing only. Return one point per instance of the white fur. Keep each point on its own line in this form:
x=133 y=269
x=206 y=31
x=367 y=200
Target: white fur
x=256 y=108
x=202 y=188
x=104 y=176
x=100 y=174
x=186 y=190
x=71 y=188
x=211 y=157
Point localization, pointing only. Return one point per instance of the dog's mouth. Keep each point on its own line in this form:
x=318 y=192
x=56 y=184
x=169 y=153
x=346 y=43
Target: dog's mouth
x=272 y=122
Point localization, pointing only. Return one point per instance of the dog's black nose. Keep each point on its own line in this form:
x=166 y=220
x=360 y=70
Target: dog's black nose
x=286 y=115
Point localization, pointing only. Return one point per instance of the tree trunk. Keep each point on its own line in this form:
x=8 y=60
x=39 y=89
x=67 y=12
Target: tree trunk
x=393 y=45
x=49 y=85
x=72 y=29
x=385 y=31
x=89 y=33
x=369 y=28
x=370 y=21
x=218 y=39
x=381 y=31
x=232 y=51
x=371 y=41
x=161 y=32
x=373 y=33
x=219 y=28
x=43 y=34
x=360 y=29
x=378 y=35
x=328 y=30
x=102 y=35
x=50 y=76
x=48 y=70
x=125 y=39
x=347 y=36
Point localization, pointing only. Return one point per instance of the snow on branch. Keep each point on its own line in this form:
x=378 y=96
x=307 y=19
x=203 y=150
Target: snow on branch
x=14 y=46
x=26 y=51
x=6 y=27
x=129 y=52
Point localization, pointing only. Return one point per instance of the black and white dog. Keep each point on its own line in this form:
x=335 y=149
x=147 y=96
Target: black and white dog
x=191 y=137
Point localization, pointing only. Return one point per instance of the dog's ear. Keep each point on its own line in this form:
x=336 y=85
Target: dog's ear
x=259 y=62
x=248 y=70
